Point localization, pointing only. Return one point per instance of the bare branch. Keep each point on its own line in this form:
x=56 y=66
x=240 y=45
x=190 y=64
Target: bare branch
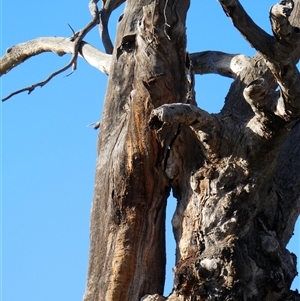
x=206 y=126
x=257 y=37
x=108 y=6
x=217 y=62
x=205 y=62
x=181 y=113
x=20 y=53
x=76 y=39
x=282 y=65
x=279 y=51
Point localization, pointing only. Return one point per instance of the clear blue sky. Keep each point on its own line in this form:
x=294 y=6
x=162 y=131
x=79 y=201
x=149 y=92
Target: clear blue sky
x=49 y=154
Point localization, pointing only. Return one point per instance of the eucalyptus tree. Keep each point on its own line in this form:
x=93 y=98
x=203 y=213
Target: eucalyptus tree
x=235 y=174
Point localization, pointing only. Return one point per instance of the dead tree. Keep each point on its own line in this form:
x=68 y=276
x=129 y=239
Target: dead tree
x=235 y=174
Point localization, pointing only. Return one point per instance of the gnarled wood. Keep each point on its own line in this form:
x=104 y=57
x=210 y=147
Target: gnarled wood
x=236 y=174
x=231 y=223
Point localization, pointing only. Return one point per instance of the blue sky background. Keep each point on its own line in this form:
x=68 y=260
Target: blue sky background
x=49 y=153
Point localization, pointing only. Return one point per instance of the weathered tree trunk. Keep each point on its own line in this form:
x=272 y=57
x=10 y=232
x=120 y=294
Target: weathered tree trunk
x=236 y=174
x=127 y=253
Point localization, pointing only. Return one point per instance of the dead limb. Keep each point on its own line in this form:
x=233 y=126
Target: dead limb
x=256 y=36
x=279 y=51
x=76 y=40
x=206 y=126
x=18 y=54
x=205 y=62
x=108 y=6
x=217 y=62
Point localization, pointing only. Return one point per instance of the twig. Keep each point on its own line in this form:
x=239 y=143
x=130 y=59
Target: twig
x=95 y=125
x=76 y=39
x=39 y=84
x=71 y=29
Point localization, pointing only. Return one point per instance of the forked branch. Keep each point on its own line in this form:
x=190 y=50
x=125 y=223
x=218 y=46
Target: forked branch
x=18 y=54
x=76 y=40
x=279 y=51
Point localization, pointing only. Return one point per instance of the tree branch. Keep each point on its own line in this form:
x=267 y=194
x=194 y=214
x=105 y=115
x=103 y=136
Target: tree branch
x=257 y=37
x=206 y=126
x=282 y=64
x=217 y=62
x=76 y=39
x=108 y=6
x=205 y=62
x=19 y=53
x=279 y=51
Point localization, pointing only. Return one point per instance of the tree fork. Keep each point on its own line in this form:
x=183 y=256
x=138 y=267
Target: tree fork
x=236 y=214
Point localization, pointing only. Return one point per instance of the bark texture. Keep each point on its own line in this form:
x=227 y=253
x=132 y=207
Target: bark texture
x=127 y=255
x=237 y=212
x=235 y=174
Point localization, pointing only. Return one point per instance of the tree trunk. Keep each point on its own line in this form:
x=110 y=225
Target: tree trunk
x=127 y=253
x=236 y=174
